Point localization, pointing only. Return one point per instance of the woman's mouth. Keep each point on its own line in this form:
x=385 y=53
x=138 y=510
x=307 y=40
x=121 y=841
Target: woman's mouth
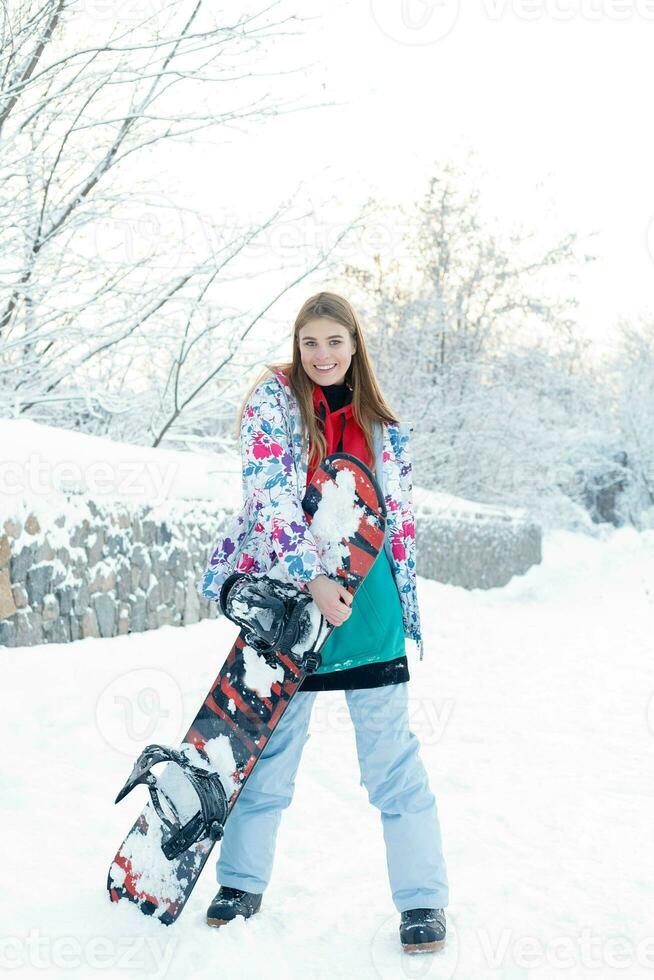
x=324 y=368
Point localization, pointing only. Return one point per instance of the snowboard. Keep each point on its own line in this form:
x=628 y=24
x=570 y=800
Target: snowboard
x=159 y=862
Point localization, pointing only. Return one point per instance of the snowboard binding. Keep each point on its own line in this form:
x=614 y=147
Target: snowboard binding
x=209 y=821
x=275 y=617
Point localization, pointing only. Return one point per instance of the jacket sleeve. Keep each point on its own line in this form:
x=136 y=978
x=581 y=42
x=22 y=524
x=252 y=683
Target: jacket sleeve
x=409 y=537
x=404 y=539
x=270 y=481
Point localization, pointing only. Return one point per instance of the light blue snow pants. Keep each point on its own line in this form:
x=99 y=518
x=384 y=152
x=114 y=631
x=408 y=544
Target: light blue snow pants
x=392 y=773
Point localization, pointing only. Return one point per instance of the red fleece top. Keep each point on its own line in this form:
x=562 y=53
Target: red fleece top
x=342 y=431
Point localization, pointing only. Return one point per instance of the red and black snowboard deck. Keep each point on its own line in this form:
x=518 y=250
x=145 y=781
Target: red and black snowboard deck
x=245 y=704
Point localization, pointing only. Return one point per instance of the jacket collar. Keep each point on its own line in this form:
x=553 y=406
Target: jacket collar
x=380 y=434
x=319 y=394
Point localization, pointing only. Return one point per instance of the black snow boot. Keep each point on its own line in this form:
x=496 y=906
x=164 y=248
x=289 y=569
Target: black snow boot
x=230 y=902
x=422 y=930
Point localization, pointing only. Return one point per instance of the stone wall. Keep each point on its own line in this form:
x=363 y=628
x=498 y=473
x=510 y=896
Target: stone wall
x=99 y=571
x=475 y=551
x=113 y=572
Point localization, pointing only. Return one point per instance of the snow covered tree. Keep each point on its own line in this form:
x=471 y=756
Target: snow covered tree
x=473 y=334
x=630 y=371
x=118 y=309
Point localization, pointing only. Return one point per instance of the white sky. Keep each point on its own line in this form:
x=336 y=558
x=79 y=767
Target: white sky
x=556 y=104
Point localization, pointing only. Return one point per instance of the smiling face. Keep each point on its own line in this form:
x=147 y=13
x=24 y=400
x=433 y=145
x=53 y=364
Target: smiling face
x=326 y=349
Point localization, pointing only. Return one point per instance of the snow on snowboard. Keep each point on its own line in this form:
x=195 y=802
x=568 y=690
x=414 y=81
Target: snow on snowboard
x=282 y=635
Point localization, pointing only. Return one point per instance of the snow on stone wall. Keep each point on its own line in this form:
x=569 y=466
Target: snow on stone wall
x=103 y=570
x=476 y=546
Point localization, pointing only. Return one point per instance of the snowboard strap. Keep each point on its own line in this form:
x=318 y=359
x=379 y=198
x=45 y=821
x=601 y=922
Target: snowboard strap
x=209 y=821
x=251 y=600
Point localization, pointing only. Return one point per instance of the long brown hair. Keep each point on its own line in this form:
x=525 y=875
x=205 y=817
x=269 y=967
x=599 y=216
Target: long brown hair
x=368 y=403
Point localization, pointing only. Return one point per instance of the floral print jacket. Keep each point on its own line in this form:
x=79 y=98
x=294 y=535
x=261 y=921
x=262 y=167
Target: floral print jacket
x=271 y=526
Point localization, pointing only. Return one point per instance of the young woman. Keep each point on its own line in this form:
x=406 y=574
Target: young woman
x=326 y=400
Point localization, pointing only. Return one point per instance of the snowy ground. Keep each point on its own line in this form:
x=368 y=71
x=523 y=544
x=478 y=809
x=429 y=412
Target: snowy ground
x=535 y=710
